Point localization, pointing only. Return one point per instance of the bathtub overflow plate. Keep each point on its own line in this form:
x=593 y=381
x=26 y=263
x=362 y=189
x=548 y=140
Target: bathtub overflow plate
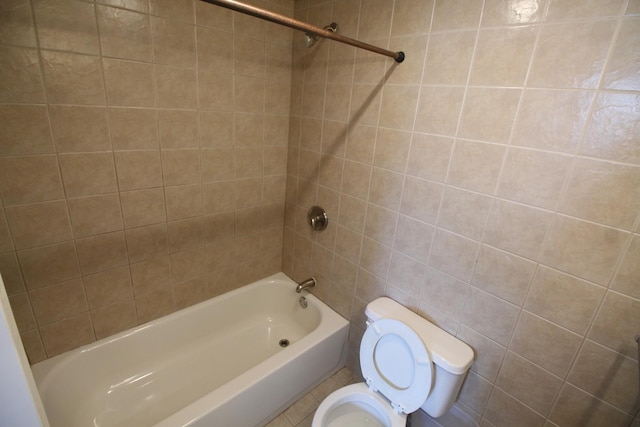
x=284 y=342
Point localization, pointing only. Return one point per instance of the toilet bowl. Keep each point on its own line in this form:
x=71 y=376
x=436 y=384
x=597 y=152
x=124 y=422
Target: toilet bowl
x=407 y=363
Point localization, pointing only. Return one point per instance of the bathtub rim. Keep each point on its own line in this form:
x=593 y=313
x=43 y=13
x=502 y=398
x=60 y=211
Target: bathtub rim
x=45 y=367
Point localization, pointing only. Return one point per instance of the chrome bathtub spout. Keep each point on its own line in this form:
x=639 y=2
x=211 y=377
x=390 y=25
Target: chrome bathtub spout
x=309 y=283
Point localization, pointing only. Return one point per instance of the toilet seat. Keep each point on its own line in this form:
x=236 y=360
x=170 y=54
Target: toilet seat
x=395 y=362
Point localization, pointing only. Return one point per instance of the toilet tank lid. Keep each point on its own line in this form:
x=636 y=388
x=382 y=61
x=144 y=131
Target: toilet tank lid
x=447 y=351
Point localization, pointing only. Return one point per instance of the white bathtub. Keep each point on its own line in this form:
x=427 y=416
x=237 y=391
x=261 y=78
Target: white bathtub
x=215 y=364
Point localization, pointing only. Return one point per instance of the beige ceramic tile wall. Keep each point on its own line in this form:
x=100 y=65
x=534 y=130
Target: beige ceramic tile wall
x=491 y=182
x=142 y=160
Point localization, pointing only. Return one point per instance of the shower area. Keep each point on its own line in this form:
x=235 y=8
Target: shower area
x=156 y=153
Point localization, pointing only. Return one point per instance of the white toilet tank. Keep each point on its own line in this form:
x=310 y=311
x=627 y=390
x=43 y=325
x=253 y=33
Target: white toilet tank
x=451 y=357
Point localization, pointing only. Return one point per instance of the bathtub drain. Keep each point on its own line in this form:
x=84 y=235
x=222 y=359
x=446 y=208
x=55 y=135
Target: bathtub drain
x=284 y=342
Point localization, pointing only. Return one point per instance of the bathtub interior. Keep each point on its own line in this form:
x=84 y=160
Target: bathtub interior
x=144 y=375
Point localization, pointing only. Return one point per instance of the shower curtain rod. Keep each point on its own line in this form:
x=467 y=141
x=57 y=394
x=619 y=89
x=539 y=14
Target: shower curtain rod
x=303 y=26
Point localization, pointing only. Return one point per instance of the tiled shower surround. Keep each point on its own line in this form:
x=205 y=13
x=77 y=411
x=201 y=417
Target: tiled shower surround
x=491 y=181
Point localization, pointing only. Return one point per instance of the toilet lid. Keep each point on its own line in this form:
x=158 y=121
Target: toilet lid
x=395 y=362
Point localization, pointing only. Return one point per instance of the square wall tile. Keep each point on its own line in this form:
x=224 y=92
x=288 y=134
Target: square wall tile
x=603 y=192
x=413 y=238
x=147 y=242
x=176 y=87
x=215 y=91
x=11 y=274
x=95 y=215
x=102 y=252
x=386 y=188
x=73 y=79
x=563 y=299
x=571 y=55
x=124 y=34
x=439 y=109
x=489 y=316
x=22 y=312
x=464 y=212
x=216 y=129
x=573 y=10
x=25 y=129
x=213 y=50
x=545 y=344
x=66 y=25
x=475 y=165
x=174 y=43
x=80 y=129
x=622 y=68
x=552 y=119
x=6 y=242
x=138 y=169
x=88 y=174
x=180 y=167
x=181 y=10
x=488 y=114
x=501 y=12
x=429 y=157
x=67 y=334
x=573 y=404
x=108 y=287
x=528 y=383
x=421 y=199
x=609 y=331
x=583 y=249
x=503 y=274
x=184 y=201
x=185 y=234
x=51 y=264
x=444 y=292
x=380 y=224
x=17 y=24
x=454 y=15
x=128 y=83
x=154 y=304
x=411 y=17
x=517 y=228
x=33 y=346
x=58 y=302
x=178 y=129
x=533 y=177
x=26 y=179
x=488 y=354
x=114 y=318
x=504 y=410
x=492 y=66
x=151 y=275
x=628 y=275
x=600 y=140
x=454 y=254
x=596 y=365
x=27 y=86
x=143 y=207
x=392 y=149
x=133 y=129
x=39 y=224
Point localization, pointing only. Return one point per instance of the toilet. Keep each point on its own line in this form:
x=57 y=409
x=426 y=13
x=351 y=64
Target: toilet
x=407 y=362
